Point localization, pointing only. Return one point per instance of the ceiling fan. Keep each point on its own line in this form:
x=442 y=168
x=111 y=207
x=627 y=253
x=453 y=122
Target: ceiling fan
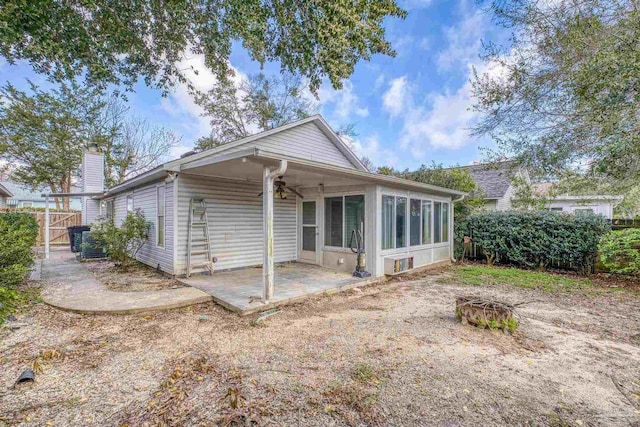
x=281 y=189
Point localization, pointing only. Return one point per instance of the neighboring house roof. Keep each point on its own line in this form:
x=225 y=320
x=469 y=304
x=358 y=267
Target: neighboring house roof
x=4 y=191
x=545 y=189
x=22 y=192
x=494 y=179
x=220 y=154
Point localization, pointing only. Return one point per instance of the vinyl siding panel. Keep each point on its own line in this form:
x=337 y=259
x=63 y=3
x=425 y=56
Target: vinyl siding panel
x=120 y=205
x=92 y=182
x=144 y=198
x=305 y=141
x=504 y=203
x=234 y=210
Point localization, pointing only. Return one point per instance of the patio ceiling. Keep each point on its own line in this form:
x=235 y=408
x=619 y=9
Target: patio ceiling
x=251 y=169
x=248 y=165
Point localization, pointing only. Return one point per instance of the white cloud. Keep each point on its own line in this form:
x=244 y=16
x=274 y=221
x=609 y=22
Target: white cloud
x=425 y=43
x=379 y=81
x=396 y=98
x=181 y=105
x=463 y=42
x=443 y=118
x=415 y=4
x=178 y=151
x=370 y=147
x=345 y=102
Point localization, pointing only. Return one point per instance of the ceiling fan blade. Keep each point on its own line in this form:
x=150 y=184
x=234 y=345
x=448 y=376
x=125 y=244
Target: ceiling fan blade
x=295 y=192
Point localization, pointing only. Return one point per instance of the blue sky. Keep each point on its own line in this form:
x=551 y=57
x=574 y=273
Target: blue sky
x=409 y=110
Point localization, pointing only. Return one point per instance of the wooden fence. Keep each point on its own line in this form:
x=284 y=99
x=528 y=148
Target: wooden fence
x=58 y=223
x=619 y=223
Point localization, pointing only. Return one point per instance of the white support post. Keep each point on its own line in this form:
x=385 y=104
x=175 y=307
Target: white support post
x=267 y=210
x=267 y=227
x=46 y=227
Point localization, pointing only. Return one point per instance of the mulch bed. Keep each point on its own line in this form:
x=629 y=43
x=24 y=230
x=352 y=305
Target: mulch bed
x=138 y=278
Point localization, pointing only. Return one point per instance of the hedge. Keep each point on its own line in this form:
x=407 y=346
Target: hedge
x=535 y=239
x=18 y=233
x=620 y=251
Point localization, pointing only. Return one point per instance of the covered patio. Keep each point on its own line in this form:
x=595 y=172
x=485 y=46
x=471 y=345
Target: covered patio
x=242 y=290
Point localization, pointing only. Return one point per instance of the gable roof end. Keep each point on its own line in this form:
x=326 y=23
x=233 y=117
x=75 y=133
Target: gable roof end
x=316 y=119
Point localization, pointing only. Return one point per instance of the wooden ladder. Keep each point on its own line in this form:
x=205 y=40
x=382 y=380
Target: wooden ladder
x=201 y=243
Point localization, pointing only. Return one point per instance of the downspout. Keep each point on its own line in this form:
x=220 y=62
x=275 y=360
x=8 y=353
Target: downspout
x=451 y=247
x=267 y=210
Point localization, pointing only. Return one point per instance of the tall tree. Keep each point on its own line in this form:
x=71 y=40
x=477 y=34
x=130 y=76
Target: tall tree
x=133 y=145
x=43 y=134
x=565 y=92
x=255 y=104
x=114 y=42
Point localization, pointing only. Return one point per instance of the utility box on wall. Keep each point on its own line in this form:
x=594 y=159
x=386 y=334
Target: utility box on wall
x=397 y=264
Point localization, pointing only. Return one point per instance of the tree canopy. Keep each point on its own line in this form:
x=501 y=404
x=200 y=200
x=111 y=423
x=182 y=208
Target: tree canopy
x=44 y=133
x=564 y=92
x=255 y=104
x=115 y=42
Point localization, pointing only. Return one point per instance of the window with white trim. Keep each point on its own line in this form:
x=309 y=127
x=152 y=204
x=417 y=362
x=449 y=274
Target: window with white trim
x=394 y=222
x=160 y=211
x=342 y=215
x=109 y=209
x=440 y=222
x=418 y=226
x=130 y=207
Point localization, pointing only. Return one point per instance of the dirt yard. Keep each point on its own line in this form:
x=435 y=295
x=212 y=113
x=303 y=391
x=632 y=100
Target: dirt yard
x=136 y=278
x=391 y=354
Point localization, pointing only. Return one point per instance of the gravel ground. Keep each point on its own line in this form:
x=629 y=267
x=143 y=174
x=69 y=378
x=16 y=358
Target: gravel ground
x=137 y=278
x=389 y=354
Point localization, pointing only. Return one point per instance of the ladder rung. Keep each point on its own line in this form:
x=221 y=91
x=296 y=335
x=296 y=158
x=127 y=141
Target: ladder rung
x=202 y=252
x=201 y=243
x=201 y=265
x=198 y=224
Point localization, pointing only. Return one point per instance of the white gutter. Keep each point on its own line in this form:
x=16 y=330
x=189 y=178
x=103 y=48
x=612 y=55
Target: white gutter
x=267 y=227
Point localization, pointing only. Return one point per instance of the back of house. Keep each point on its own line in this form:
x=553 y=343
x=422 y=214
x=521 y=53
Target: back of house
x=323 y=197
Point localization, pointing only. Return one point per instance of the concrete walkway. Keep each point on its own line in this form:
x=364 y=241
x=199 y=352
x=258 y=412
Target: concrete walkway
x=70 y=286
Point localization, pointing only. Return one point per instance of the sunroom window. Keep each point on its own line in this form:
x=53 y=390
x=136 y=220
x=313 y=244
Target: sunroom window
x=342 y=215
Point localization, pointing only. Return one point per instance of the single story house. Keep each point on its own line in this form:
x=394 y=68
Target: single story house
x=496 y=182
x=598 y=204
x=5 y=194
x=24 y=197
x=295 y=193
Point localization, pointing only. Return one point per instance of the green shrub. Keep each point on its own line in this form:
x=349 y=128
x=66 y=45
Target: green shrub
x=620 y=251
x=122 y=243
x=534 y=239
x=18 y=233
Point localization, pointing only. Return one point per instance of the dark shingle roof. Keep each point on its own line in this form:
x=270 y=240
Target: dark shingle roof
x=493 y=179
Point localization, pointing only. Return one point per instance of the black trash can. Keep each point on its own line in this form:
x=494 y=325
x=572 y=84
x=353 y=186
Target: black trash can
x=76 y=229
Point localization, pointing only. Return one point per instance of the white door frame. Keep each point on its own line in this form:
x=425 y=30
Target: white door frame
x=308 y=256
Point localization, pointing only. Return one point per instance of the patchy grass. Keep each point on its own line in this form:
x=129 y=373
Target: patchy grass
x=366 y=373
x=478 y=275
x=15 y=300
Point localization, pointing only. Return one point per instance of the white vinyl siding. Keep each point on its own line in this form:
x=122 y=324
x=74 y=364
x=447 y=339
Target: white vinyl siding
x=234 y=210
x=92 y=182
x=306 y=141
x=144 y=198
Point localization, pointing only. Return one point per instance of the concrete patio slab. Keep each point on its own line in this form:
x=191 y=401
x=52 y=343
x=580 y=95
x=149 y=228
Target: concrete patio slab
x=70 y=286
x=241 y=290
